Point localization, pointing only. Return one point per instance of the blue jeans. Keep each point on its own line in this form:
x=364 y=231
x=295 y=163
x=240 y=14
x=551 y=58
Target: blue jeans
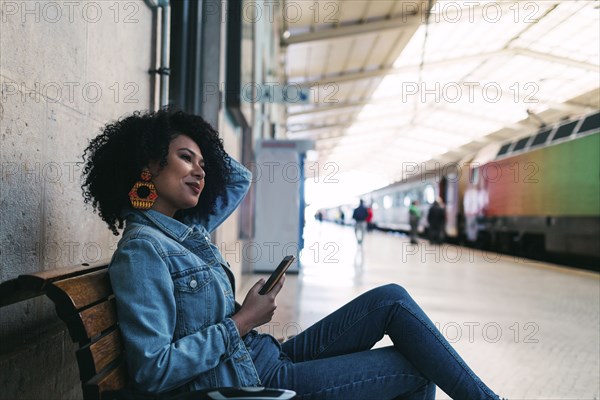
x=332 y=359
x=360 y=228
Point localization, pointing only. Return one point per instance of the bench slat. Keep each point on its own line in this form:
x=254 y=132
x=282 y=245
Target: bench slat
x=81 y=291
x=38 y=281
x=113 y=379
x=99 y=318
x=97 y=356
x=76 y=293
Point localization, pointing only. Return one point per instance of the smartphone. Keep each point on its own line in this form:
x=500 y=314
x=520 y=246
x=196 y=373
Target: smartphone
x=277 y=274
x=248 y=393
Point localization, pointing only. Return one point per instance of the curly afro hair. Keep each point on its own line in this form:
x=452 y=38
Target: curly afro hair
x=115 y=158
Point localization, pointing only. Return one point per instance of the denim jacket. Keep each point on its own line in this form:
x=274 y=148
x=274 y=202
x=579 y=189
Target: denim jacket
x=175 y=299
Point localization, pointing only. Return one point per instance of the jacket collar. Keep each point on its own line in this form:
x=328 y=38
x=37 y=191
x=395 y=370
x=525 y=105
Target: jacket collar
x=170 y=226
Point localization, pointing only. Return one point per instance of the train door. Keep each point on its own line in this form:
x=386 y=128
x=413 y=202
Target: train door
x=449 y=194
x=442 y=190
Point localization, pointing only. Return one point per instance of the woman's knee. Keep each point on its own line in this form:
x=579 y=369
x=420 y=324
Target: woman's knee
x=392 y=291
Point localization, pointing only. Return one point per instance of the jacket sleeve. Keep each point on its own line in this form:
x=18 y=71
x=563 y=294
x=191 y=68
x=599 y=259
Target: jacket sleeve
x=147 y=313
x=238 y=186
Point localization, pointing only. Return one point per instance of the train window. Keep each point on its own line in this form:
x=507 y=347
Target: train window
x=474 y=176
x=398 y=200
x=592 y=122
x=564 y=131
x=541 y=138
x=503 y=150
x=429 y=194
x=387 y=201
x=406 y=201
x=414 y=195
x=521 y=143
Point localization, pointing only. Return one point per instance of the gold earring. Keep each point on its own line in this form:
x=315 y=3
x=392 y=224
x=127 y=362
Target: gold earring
x=143 y=193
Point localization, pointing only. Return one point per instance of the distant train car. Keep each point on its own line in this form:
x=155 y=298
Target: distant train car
x=341 y=214
x=390 y=204
x=538 y=197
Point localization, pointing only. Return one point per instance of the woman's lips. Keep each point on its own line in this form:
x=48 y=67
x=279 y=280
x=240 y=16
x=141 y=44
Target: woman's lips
x=195 y=187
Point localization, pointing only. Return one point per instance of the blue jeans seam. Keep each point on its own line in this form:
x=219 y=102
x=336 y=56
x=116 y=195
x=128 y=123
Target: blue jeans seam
x=361 y=381
x=448 y=349
x=346 y=329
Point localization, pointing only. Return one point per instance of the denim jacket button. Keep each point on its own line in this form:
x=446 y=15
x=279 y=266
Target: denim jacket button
x=193 y=283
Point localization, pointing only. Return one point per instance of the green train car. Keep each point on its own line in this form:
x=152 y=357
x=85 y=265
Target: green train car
x=537 y=197
x=541 y=195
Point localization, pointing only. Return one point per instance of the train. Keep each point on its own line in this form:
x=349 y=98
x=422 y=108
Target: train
x=537 y=196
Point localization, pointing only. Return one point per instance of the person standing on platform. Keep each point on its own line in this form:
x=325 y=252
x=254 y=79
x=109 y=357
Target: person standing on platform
x=414 y=215
x=360 y=215
x=319 y=216
x=436 y=217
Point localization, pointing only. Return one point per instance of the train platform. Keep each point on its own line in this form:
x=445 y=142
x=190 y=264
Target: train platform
x=530 y=330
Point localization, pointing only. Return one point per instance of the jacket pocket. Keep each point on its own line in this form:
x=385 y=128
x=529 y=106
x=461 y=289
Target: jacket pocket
x=192 y=280
x=193 y=295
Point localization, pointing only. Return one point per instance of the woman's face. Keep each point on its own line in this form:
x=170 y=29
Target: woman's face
x=181 y=181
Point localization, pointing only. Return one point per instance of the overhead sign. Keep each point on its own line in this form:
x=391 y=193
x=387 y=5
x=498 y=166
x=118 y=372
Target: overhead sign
x=272 y=92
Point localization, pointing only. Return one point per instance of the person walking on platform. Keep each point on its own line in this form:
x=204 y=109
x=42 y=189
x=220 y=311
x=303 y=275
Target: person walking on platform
x=360 y=215
x=414 y=216
x=436 y=217
x=165 y=178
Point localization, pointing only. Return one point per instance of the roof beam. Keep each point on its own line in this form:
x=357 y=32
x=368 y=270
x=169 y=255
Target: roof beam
x=354 y=29
x=382 y=72
x=568 y=107
x=414 y=16
x=336 y=107
x=309 y=131
x=564 y=107
x=555 y=59
x=382 y=117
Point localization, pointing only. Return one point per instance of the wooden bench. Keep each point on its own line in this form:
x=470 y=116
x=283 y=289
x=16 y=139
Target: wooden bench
x=85 y=302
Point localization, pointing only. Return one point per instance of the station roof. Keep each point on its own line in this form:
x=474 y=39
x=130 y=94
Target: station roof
x=392 y=84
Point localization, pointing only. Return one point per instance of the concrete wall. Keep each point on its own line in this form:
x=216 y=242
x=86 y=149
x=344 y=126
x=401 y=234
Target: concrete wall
x=66 y=68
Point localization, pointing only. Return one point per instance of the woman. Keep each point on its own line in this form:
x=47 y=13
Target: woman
x=167 y=177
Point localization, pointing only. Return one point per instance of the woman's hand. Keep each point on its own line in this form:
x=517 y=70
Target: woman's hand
x=257 y=309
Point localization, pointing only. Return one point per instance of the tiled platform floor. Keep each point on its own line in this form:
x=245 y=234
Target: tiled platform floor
x=529 y=330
